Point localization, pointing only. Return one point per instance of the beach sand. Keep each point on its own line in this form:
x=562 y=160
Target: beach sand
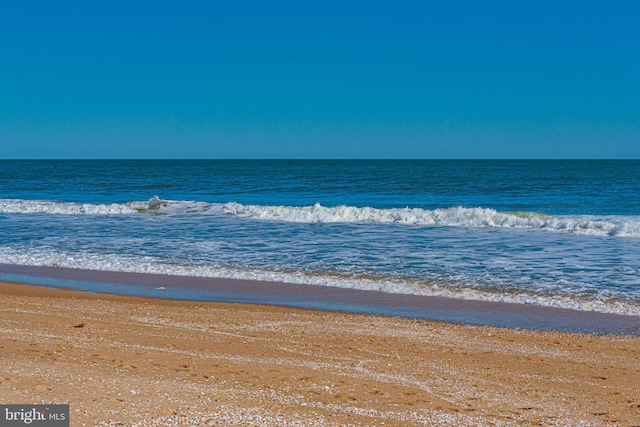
x=134 y=361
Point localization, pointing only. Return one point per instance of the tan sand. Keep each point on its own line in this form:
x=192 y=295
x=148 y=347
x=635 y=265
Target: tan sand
x=136 y=361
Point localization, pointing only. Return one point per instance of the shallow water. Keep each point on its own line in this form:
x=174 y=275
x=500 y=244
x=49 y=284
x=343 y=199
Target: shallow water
x=546 y=233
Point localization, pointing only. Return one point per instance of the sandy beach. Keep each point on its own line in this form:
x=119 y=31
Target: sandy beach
x=135 y=361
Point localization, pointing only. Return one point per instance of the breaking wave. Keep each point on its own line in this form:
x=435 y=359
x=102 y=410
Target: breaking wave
x=621 y=226
x=151 y=206
x=457 y=216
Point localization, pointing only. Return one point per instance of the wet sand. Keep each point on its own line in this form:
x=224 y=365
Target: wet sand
x=486 y=313
x=121 y=360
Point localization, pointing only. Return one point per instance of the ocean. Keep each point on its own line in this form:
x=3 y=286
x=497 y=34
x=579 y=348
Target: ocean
x=542 y=233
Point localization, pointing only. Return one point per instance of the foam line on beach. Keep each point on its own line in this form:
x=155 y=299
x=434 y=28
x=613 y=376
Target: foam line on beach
x=325 y=298
x=384 y=285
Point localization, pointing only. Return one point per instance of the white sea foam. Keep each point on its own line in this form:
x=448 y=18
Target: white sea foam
x=142 y=264
x=457 y=216
x=622 y=226
x=154 y=205
x=68 y=208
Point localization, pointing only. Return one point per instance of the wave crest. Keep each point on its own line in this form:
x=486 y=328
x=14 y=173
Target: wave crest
x=155 y=205
x=11 y=206
x=456 y=216
x=621 y=226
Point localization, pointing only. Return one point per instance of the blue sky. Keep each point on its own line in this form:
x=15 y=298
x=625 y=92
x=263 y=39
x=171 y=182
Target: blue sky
x=306 y=79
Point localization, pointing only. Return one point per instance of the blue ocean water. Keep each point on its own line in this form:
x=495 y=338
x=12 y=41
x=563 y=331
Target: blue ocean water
x=551 y=233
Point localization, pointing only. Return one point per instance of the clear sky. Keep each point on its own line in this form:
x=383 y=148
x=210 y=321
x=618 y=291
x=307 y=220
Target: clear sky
x=320 y=79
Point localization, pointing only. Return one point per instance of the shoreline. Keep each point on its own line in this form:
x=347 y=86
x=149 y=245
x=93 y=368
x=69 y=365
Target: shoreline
x=326 y=298
x=126 y=360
